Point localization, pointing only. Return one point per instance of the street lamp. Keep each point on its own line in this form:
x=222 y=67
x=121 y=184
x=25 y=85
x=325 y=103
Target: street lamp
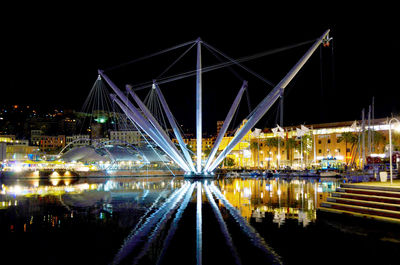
x=390 y=148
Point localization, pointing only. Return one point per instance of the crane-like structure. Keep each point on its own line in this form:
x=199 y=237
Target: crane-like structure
x=143 y=118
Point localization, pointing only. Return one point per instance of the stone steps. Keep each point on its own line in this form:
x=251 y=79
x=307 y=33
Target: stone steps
x=376 y=202
x=369 y=204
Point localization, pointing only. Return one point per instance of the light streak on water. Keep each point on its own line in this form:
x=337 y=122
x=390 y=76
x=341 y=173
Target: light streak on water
x=222 y=224
x=199 y=226
x=147 y=212
x=174 y=224
x=161 y=223
x=139 y=235
x=255 y=238
x=145 y=195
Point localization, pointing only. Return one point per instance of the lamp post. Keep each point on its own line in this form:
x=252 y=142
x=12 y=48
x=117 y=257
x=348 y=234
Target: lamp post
x=390 y=148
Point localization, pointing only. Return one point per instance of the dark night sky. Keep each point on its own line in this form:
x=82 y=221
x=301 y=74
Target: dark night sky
x=53 y=55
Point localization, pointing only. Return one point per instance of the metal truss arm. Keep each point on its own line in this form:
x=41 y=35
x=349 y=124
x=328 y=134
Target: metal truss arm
x=267 y=102
x=174 y=126
x=225 y=126
x=144 y=124
x=145 y=127
x=154 y=122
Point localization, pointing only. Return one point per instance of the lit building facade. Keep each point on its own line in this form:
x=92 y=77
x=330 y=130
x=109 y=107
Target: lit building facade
x=339 y=143
x=133 y=137
x=78 y=139
x=52 y=143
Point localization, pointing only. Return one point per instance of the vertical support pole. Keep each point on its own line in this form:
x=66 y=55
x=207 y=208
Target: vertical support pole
x=390 y=153
x=280 y=124
x=373 y=132
x=373 y=124
x=281 y=110
x=314 y=145
x=359 y=146
x=301 y=150
x=369 y=131
x=198 y=108
x=363 y=139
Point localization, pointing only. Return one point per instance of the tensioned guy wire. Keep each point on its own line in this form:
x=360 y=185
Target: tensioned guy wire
x=219 y=66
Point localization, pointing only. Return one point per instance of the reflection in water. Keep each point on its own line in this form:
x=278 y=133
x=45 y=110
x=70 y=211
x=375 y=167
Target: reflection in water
x=63 y=199
x=150 y=212
x=284 y=199
x=222 y=225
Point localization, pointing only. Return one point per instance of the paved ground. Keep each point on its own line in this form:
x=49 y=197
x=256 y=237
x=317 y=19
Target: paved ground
x=396 y=184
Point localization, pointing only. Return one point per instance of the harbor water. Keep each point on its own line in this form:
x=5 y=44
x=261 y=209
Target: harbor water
x=173 y=220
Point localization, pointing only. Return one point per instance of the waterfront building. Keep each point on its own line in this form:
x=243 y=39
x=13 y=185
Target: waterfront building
x=22 y=152
x=337 y=142
x=15 y=149
x=206 y=145
x=240 y=155
x=67 y=125
x=11 y=140
x=7 y=138
x=219 y=126
x=52 y=143
x=132 y=136
x=35 y=137
x=78 y=139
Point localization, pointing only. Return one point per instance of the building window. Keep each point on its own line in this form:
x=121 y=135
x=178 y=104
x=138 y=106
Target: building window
x=329 y=141
x=348 y=150
x=319 y=151
x=319 y=141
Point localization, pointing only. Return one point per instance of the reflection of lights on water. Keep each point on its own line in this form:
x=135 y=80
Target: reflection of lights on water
x=303 y=218
x=16 y=190
x=279 y=192
x=54 y=182
x=279 y=217
x=84 y=186
x=108 y=185
x=247 y=192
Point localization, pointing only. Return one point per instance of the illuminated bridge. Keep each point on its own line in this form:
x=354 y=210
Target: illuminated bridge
x=141 y=116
